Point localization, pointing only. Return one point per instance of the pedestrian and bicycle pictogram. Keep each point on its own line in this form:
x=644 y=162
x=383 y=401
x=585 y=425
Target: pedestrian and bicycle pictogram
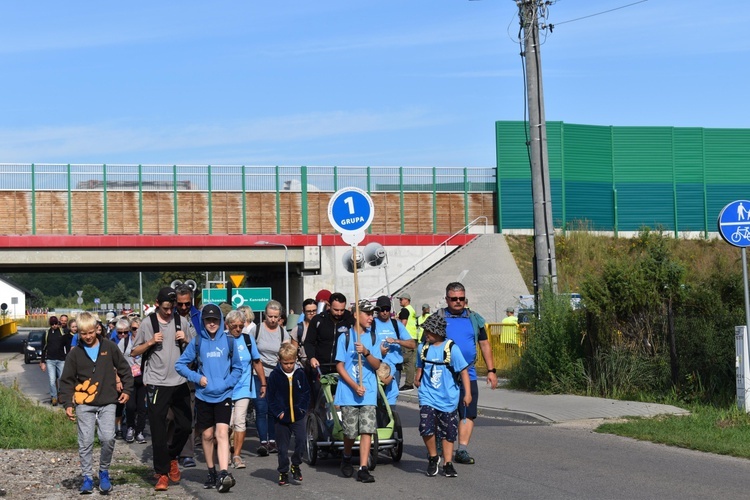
x=734 y=223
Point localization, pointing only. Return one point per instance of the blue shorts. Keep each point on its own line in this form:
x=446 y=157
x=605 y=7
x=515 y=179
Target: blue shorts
x=471 y=411
x=442 y=425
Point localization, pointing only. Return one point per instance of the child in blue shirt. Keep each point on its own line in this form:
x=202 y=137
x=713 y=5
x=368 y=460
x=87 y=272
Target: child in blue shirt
x=357 y=390
x=440 y=365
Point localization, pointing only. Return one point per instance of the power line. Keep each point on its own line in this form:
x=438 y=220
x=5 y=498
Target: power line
x=598 y=13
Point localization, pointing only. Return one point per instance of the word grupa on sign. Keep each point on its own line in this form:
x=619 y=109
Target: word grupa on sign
x=353 y=220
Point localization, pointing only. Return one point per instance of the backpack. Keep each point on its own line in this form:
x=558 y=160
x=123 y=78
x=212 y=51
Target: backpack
x=246 y=337
x=447 y=344
x=372 y=335
x=155 y=328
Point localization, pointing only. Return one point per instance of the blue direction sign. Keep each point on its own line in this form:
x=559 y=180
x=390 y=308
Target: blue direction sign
x=350 y=212
x=734 y=223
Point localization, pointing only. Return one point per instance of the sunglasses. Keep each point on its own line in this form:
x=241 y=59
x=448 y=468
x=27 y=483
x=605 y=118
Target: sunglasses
x=120 y=332
x=184 y=304
x=310 y=311
x=456 y=299
x=134 y=329
x=386 y=308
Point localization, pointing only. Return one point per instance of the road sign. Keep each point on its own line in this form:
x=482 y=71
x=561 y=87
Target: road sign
x=97 y=300
x=79 y=300
x=350 y=212
x=734 y=223
x=237 y=279
x=253 y=297
x=214 y=295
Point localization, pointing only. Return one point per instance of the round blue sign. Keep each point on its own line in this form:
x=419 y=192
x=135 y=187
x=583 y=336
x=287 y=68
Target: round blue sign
x=734 y=223
x=350 y=210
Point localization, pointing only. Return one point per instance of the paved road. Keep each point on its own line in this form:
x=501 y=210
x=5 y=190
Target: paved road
x=516 y=459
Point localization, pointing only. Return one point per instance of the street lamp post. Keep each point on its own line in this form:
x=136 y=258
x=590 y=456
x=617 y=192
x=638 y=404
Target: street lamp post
x=286 y=266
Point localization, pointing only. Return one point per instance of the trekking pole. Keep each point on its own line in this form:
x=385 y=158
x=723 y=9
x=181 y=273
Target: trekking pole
x=356 y=309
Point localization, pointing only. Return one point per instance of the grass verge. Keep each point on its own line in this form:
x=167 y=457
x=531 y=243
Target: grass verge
x=709 y=429
x=140 y=475
x=25 y=424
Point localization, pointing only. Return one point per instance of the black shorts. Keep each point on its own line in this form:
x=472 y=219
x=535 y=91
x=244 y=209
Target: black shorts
x=210 y=414
x=471 y=411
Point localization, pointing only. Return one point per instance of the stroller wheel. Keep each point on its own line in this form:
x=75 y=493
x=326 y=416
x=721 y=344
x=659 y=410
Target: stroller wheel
x=311 y=445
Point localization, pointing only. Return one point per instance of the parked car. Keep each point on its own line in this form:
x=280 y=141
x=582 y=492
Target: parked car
x=32 y=346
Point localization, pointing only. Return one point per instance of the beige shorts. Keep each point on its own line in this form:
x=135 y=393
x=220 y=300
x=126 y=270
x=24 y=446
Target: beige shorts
x=356 y=420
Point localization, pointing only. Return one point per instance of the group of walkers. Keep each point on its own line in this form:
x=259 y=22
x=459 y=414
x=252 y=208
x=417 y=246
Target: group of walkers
x=194 y=372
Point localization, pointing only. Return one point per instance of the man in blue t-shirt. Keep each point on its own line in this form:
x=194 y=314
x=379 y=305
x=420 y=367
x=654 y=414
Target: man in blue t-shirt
x=357 y=389
x=392 y=336
x=466 y=329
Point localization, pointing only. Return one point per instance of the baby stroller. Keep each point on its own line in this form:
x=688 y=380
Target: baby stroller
x=325 y=436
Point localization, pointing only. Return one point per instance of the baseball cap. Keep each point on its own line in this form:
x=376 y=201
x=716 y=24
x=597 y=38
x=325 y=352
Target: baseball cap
x=323 y=296
x=510 y=310
x=425 y=306
x=405 y=296
x=383 y=301
x=166 y=294
x=435 y=324
x=53 y=320
x=366 y=306
x=211 y=311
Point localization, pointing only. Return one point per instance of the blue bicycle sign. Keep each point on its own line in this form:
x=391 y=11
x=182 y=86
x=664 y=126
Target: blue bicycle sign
x=734 y=223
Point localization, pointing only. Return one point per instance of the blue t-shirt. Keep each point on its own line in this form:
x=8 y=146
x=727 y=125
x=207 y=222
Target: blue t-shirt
x=92 y=352
x=437 y=388
x=384 y=329
x=242 y=389
x=461 y=332
x=391 y=390
x=345 y=395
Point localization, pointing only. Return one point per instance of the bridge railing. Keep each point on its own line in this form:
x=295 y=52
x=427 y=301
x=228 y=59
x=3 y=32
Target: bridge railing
x=235 y=199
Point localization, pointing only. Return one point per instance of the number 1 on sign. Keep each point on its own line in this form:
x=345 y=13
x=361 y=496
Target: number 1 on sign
x=350 y=203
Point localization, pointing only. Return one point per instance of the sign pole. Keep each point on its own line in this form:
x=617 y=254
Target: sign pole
x=356 y=309
x=747 y=293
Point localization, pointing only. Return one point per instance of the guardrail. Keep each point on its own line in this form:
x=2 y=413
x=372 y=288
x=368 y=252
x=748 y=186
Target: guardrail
x=443 y=245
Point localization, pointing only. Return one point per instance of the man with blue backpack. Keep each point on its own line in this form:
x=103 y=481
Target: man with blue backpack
x=211 y=362
x=466 y=329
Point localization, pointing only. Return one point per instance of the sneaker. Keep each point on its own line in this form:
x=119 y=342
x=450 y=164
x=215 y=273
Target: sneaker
x=406 y=388
x=140 y=438
x=162 y=482
x=210 y=481
x=296 y=473
x=225 y=482
x=346 y=467
x=272 y=448
x=105 y=486
x=174 y=471
x=262 y=449
x=449 y=470
x=363 y=475
x=118 y=434
x=238 y=463
x=130 y=435
x=54 y=403
x=463 y=457
x=432 y=465
x=188 y=462
x=283 y=479
x=88 y=486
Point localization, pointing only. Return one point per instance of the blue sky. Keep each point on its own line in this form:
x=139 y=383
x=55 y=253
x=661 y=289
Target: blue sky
x=356 y=82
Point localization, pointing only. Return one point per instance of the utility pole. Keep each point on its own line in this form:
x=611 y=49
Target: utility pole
x=545 y=273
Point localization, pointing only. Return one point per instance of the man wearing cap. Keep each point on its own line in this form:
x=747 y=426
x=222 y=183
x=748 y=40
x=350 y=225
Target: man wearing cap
x=466 y=329
x=420 y=320
x=323 y=300
x=509 y=332
x=159 y=342
x=55 y=347
x=408 y=316
x=392 y=338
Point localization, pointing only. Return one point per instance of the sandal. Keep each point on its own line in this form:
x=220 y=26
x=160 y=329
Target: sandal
x=237 y=462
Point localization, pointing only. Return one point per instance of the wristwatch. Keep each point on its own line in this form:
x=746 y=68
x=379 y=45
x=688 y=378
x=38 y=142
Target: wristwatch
x=494 y=370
